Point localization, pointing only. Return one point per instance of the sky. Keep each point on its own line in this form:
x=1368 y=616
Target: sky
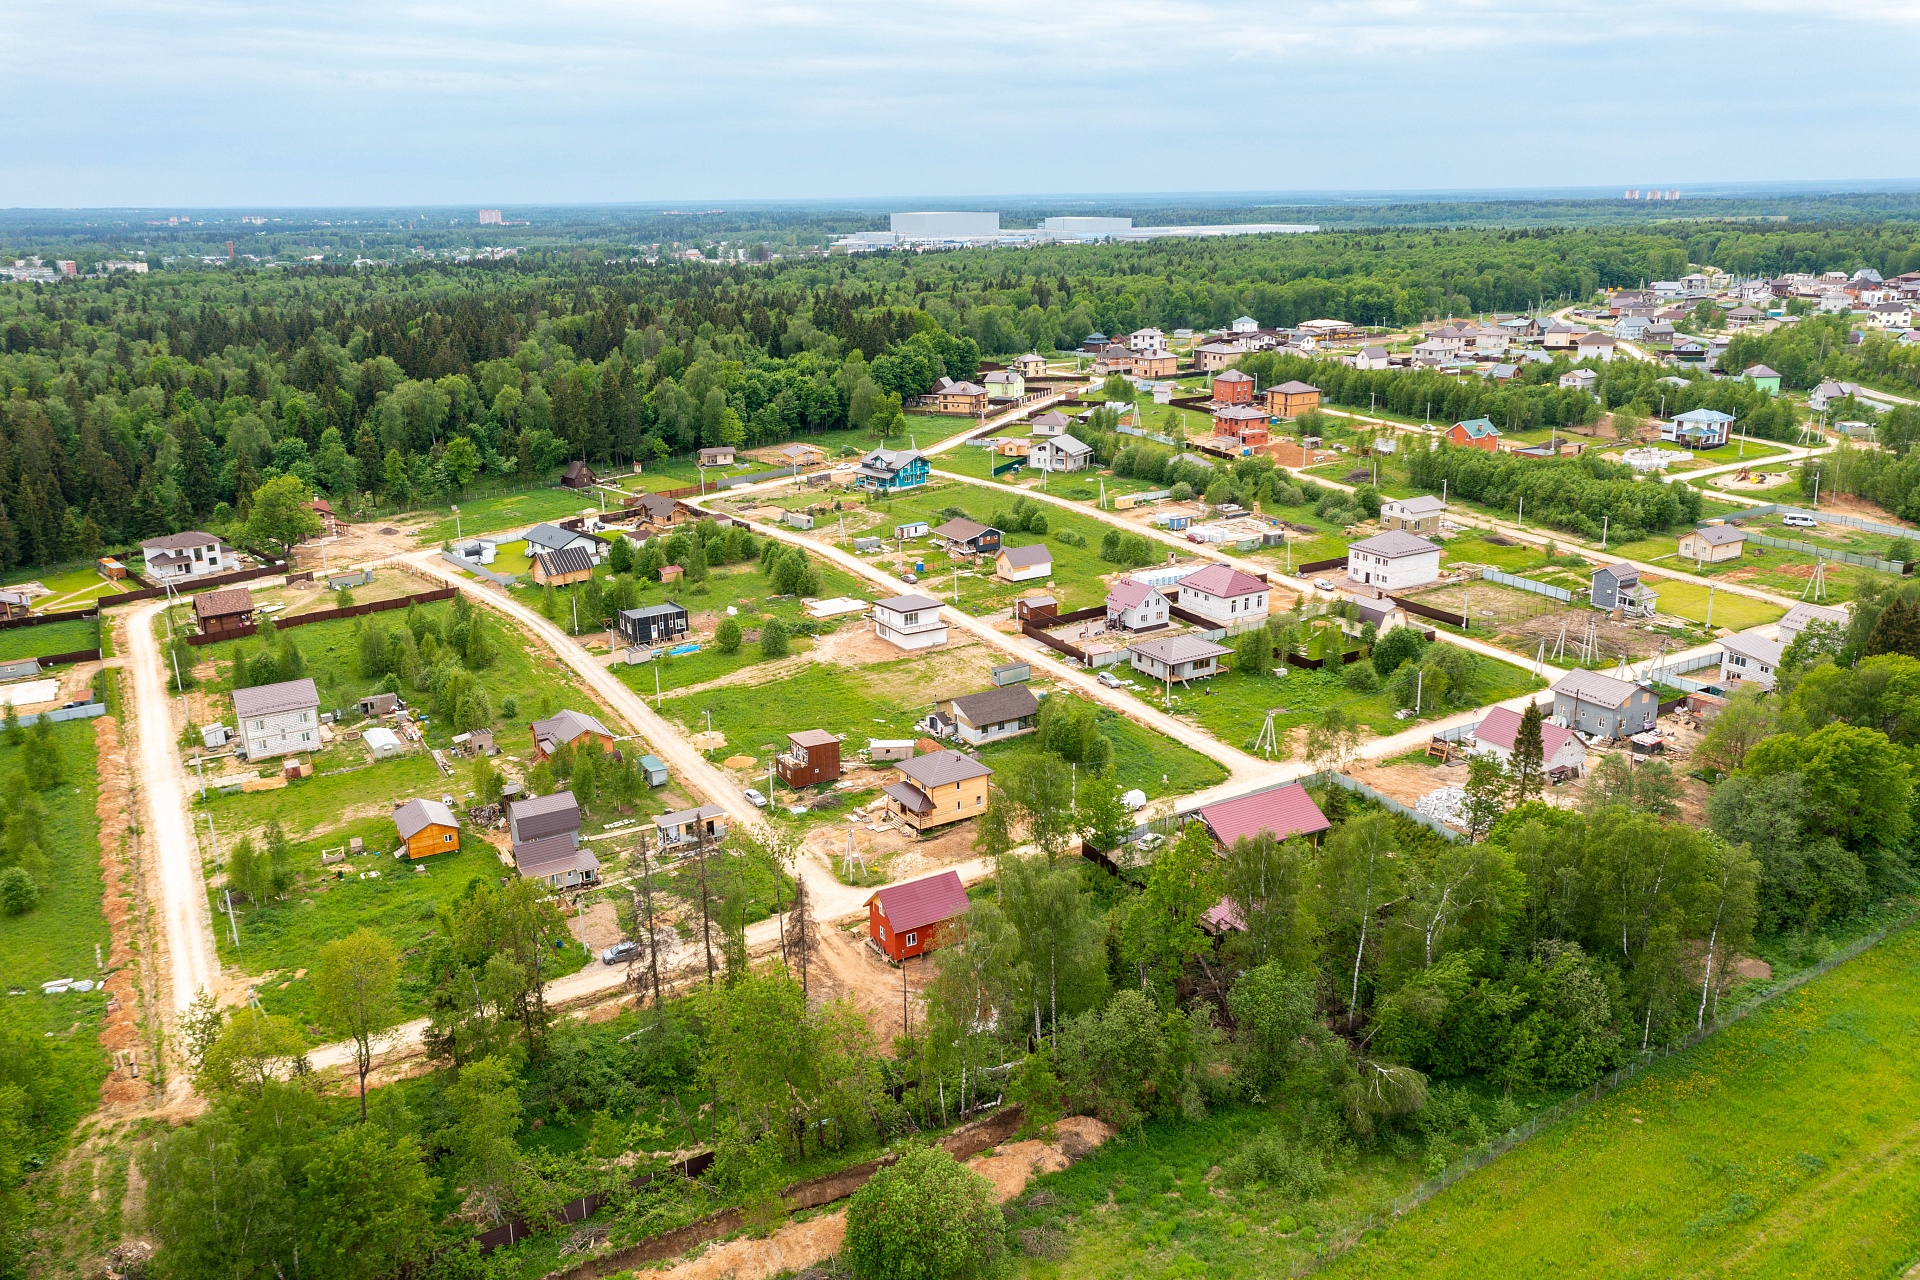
x=204 y=103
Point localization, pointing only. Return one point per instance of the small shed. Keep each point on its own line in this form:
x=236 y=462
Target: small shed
x=1012 y=673
x=1036 y=609
x=655 y=769
x=383 y=742
x=879 y=749
x=717 y=456
x=427 y=827
x=911 y=529
x=866 y=544
x=379 y=704
x=579 y=476
x=799 y=520
x=907 y=920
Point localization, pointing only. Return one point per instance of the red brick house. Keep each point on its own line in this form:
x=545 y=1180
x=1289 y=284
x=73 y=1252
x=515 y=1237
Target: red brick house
x=906 y=920
x=1232 y=387
x=1476 y=434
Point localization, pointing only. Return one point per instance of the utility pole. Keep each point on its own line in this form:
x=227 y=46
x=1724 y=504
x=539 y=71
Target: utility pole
x=1603 y=532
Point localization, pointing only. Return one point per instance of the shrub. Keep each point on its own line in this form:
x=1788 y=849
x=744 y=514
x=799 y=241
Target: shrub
x=726 y=637
x=509 y=707
x=1401 y=644
x=1183 y=492
x=926 y=1218
x=773 y=639
x=18 y=892
x=1360 y=677
x=1292 y=1170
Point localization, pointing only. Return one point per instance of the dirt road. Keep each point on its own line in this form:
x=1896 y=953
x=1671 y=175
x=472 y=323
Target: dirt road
x=168 y=822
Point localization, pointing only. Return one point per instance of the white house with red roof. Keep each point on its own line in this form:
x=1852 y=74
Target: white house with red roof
x=1220 y=593
x=1560 y=748
x=906 y=920
x=1135 y=606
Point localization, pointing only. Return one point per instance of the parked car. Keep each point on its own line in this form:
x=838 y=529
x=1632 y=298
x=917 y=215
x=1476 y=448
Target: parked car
x=1323 y=584
x=909 y=577
x=755 y=799
x=619 y=952
x=1794 y=520
x=1108 y=679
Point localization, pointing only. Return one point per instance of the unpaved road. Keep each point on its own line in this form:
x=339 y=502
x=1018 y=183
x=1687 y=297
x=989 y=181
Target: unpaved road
x=168 y=821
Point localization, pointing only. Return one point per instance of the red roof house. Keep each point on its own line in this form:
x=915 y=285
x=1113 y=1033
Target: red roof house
x=1560 y=748
x=1282 y=813
x=906 y=920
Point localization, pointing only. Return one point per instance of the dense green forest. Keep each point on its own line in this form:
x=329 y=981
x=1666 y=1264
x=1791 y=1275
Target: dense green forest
x=142 y=404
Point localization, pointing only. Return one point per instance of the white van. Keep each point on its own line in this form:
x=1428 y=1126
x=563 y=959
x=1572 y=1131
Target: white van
x=1794 y=520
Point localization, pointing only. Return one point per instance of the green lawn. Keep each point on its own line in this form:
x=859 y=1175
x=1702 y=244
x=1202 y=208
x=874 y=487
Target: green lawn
x=1234 y=707
x=1779 y=1147
x=66 y=636
x=511 y=558
x=879 y=701
x=282 y=938
x=505 y=511
x=1689 y=600
x=57 y=938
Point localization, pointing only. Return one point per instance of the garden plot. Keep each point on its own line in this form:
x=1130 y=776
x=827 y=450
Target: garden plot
x=1519 y=621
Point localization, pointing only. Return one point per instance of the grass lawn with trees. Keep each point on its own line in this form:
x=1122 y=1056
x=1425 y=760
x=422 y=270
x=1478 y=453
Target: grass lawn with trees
x=1778 y=1147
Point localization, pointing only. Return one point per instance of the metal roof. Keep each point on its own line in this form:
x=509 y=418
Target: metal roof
x=1591 y=686
x=273 y=699
x=942 y=768
x=1719 y=535
x=906 y=604
x=996 y=706
x=1223 y=581
x=544 y=815
x=1501 y=725
x=567 y=724
x=180 y=541
x=1026 y=557
x=960 y=529
x=565 y=561
x=1394 y=544
x=554 y=855
x=812 y=738
x=1176 y=649
x=416 y=816
x=919 y=903
x=1283 y=812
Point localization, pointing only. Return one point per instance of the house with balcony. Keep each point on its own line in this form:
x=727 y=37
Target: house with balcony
x=890 y=470
x=909 y=622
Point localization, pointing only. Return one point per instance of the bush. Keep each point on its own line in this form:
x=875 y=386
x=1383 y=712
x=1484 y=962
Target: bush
x=926 y=1218
x=18 y=892
x=1183 y=492
x=509 y=707
x=1360 y=677
x=1401 y=644
x=1295 y=1171
x=726 y=637
x=773 y=639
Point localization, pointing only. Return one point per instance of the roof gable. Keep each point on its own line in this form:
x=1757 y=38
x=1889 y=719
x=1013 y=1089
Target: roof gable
x=1281 y=813
x=1222 y=580
x=919 y=903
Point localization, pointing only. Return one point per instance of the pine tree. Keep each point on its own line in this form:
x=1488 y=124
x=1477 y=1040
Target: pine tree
x=1896 y=630
x=1529 y=756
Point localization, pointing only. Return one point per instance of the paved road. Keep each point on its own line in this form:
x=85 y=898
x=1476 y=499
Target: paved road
x=166 y=817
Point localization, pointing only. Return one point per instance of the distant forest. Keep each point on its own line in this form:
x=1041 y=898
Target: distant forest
x=138 y=405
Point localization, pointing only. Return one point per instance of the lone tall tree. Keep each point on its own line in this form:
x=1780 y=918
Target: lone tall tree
x=356 y=989
x=281 y=515
x=1529 y=756
x=1897 y=630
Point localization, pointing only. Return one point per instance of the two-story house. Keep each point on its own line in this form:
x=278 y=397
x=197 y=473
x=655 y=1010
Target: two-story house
x=909 y=622
x=1233 y=387
x=1601 y=706
x=1136 y=606
x=545 y=834
x=1475 y=433
x=889 y=470
x=1225 y=595
x=178 y=557
x=278 y=719
x=1394 y=561
x=938 y=788
x=1060 y=453
x=1746 y=658
x=1412 y=515
x=1291 y=399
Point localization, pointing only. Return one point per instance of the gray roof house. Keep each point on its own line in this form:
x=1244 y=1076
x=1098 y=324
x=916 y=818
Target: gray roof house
x=1603 y=707
x=995 y=714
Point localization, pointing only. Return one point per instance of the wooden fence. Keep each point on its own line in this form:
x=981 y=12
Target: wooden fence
x=330 y=615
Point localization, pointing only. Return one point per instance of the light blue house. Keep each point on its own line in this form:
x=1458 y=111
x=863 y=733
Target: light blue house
x=890 y=470
x=1698 y=428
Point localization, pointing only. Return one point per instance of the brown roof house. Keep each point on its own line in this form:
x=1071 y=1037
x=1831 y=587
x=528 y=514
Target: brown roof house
x=579 y=476
x=227 y=612
x=570 y=728
x=995 y=714
x=546 y=841
x=938 y=788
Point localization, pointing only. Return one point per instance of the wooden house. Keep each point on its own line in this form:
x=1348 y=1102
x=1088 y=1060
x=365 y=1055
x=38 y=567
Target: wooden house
x=579 y=476
x=911 y=919
x=812 y=757
x=427 y=827
x=938 y=788
x=562 y=568
x=227 y=612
